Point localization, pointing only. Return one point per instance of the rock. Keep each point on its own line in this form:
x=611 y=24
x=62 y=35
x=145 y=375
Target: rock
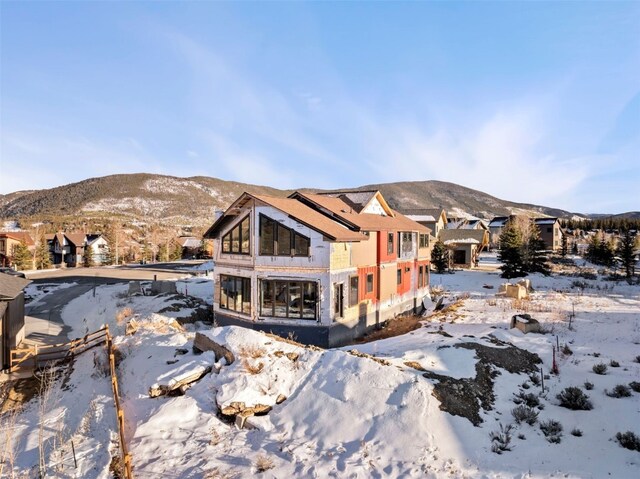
x=281 y=398
x=516 y=291
x=293 y=356
x=203 y=343
x=134 y=288
x=525 y=323
x=160 y=287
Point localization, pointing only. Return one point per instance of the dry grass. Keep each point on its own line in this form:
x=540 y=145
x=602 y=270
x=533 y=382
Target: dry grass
x=160 y=327
x=123 y=314
x=264 y=463
x=395 y=327
x=252 y=368
x=252 y=351
x=216 y=473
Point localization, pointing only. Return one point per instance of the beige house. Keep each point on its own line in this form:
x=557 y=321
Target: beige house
x=465 y=245
x=433 y=218
x=9 y=240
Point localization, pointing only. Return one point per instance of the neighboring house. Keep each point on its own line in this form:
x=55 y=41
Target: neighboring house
x=465 y=245
x=191 y=246
x=550 y=231
x=68 y=249
x=11 y=316
x=466 y=224
x=9 y=240
x=322 y=268
x=435 y=218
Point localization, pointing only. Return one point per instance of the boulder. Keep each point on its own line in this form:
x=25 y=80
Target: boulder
x=135 y=288
x=525 y=323
x=203 y=343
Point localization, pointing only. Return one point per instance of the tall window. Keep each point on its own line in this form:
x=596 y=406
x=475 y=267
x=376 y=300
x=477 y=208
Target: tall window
x=420 y=277
x=390 y=243
x=235 y=293
x=278 y=240
x=353 y=291
x=238 y=239
x=288 y=299
x=424 y=240
x=399 y=276
x=370 y=283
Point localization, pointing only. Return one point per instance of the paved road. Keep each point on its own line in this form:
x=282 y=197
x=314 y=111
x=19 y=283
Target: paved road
x=44 y=323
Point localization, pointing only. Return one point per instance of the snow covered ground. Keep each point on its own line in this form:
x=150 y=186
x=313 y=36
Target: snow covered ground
x=336 y=414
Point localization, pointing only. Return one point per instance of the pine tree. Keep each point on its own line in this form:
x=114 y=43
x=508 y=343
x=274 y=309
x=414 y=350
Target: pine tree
x=21 y=256
x=510 y=253
x=440 y=257
x=536 y=259
x=626 y=251
x=176 y=251
x=87 y=257
x=43 y=256
x=593 y=249
x=565 y=245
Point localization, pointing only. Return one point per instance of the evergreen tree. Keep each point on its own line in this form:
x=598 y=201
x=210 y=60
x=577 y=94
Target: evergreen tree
x=510 y=252
x=440 y=257
x=593 y=249
x=43 y=256
x=21 y=257
x=176 y=251
x=565 y=246
x=87 y=257
x=626 y=251
x=536 y=259
x=574 y=248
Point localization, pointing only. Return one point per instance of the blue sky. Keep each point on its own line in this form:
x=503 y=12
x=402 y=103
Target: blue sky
x=533 y=102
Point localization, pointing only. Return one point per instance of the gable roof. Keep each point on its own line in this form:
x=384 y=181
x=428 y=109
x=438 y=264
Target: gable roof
x=18 y=236
x=545 y=221
x=76 y=238
x=498 y=221
x=296 y=210
x=11 y=286
x=449 y=237
x=337 y=208
x=430 y=214
x=189 y=242
x=359 y=200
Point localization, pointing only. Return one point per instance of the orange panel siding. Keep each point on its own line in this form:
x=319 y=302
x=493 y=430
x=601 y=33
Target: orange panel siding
x=362 y=280
x=383 y=246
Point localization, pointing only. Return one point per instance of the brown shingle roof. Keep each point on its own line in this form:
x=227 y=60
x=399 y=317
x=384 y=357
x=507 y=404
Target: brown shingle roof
x=18 y=236
x=11 y=286
x=363 y=221
x=311 y=218
x=76 y=238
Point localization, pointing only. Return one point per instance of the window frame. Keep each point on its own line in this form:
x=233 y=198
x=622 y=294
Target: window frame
x=293 y=236
x=354 y=299
x=273 y=288
x=390 y=241
x=423 y=240
x=237 y=228
x=245 y=285
x=369 y=283
x=399 y=276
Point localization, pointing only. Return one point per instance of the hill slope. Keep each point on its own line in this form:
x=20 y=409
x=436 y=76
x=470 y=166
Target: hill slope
x=193 y=200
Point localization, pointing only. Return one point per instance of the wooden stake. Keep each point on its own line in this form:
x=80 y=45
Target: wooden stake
x=73 y=449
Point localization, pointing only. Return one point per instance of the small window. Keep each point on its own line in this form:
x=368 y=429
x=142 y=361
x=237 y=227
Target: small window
x=420 y=277
x=390 y=243
x=370 y=283
x=424 y=241
x=353 y=291
x=399 y=276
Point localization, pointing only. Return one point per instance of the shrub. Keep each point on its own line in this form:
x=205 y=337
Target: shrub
x=588 y=385
x=535 y=378
x=501 y=440
x=252 y=351
x=600 y=368
x=629 y=440
x=619 y=391
x=635 y=385
x=252 y=368
x=264 y=463
x=576 y=432
x=528 y=399
x=574 y=398
x=522 y=437
x=524 y=413
x=566 y=350
x=637 y=359
x=552 y=430
x=614 y=364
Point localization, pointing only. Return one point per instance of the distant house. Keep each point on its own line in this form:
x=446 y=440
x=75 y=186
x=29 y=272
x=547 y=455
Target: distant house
x=68 y=249
x=550 y=231
x=496 y=226
x=466 y=224
x=433 y=218
x=9 y=240
x=465 y=245
x=190 y=245
x=11 y=315
x=324 y=268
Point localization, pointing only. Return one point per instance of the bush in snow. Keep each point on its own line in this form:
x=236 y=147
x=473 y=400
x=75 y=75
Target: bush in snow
x=528 y=399
x=566 y=350
x=629 y=440
x=552 y=430
x=588 y=385
x=535 y=379
x=614 y=364
x=576 y=432
x=600 y=368
x=501 y=440
x=574 y=398
x=637 y=359
x=264 y=463
x=635 y=385
x=619 y=391
x=524 y=413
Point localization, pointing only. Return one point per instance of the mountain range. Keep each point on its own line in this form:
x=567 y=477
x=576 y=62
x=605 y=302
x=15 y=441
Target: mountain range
x=150 y=197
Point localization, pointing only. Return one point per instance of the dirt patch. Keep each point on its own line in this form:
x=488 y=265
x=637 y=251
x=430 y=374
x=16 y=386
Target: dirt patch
x=394 y=327
x=14 y=394
x=466 y=396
